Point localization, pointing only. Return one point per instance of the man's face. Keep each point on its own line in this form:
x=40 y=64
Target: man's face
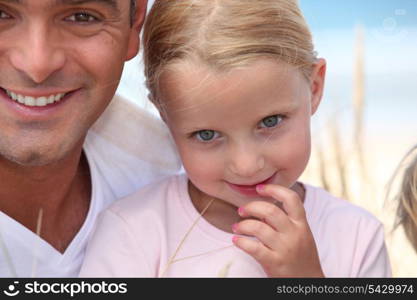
x=60 y=62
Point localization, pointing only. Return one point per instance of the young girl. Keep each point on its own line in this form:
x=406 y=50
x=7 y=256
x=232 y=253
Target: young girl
x=407 y=198
x=236 y=82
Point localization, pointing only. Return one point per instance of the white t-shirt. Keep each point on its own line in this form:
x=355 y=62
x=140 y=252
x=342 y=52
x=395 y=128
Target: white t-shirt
x=138 y=235
x=126 y=149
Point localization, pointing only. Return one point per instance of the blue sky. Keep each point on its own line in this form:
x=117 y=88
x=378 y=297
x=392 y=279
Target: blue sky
x=390 y=45
x=339 y=14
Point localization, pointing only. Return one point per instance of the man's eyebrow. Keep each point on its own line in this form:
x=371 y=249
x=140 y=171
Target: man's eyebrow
x=111 y=3
x=11 y=1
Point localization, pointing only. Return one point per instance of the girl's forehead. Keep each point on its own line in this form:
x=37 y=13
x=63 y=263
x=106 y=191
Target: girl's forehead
x=191 y=83
x=203 y=95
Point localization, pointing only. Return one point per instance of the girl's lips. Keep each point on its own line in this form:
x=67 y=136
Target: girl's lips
x=250 y=190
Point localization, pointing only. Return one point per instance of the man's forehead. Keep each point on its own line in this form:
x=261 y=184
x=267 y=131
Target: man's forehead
x=112 y=3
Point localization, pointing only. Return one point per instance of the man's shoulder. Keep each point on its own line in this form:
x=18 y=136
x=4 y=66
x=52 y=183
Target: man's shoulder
x=128 y=147
x=128 y=134
x=123 y=113
x=136 y=131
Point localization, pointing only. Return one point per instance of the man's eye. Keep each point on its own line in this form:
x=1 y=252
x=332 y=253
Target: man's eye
x=206 y=135
x=271 y=121
x=3 y=15
x=82 y=17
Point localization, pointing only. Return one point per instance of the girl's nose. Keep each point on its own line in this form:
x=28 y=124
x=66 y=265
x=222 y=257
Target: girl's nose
x=246 y=162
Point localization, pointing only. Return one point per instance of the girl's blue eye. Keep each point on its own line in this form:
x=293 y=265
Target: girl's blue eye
x=271 y=121
x=206 y=135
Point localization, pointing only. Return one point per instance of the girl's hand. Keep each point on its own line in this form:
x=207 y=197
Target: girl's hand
x=285 y=246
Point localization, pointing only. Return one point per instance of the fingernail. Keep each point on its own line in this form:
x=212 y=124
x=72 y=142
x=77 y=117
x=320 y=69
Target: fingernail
x=260 y=187
x=234 y=239
x=234 y=227
x=240 y=211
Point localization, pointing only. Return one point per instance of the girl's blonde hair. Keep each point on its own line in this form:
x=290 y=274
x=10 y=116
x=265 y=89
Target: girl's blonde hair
x=224 y=34
x=407 y=197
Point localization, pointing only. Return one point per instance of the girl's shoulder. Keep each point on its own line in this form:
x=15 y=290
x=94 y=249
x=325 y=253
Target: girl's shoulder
x=150 y=200
x=323 y=207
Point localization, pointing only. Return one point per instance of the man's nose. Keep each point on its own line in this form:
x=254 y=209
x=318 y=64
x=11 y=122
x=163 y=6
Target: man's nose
x=246 y=160
x=37 y=53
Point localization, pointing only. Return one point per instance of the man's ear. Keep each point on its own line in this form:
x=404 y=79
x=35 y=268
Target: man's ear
x=317 y=83
x=136 y=26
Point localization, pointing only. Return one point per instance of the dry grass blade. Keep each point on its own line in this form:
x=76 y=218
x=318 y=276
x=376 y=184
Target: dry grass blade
x=172 y=259
x=35 y=250
x=201 y=254
x=340 y=159
x=358 y=102
x=322 y=168
x=358 y=90
x=224 y=272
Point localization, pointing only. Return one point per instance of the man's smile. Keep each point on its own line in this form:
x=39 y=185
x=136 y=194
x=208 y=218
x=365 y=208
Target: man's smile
x=37 y=98
x=35 y=101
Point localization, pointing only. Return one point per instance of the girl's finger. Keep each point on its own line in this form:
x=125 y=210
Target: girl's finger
x=290 y=200
x=254 y=248
x=267 y=212
x=263 y=232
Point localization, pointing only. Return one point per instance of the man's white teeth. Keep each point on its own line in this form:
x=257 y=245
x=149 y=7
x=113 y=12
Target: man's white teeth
x=35 y=101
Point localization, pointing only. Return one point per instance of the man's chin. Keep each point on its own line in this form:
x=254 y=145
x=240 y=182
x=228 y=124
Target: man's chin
x=32 y=158
x=40 y=152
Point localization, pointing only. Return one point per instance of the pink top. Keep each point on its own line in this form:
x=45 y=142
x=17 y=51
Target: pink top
x=138 y=235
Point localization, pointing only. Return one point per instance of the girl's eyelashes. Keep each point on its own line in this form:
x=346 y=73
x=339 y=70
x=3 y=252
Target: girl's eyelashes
x=271 y=121
x=208 y=135
x=205 y=135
